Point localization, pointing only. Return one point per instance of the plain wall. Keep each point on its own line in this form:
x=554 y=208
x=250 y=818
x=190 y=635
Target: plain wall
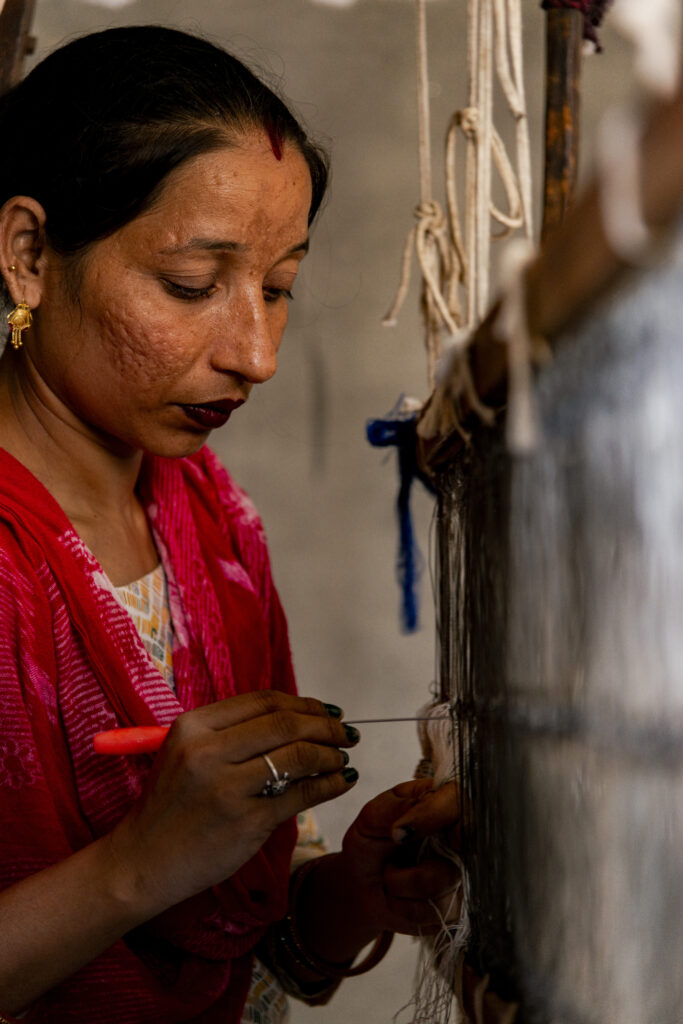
x=298 y=447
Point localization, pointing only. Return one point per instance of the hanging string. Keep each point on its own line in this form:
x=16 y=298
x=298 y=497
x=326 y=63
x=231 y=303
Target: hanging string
x=454 y=263
x=397 y=429
x=440 y=960
x=511 y=78
x=423 y=110
x=430 y=238
x=522 y=429
x=498 y=23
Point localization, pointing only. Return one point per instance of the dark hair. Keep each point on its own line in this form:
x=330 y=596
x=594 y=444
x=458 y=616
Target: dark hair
x=102 y=121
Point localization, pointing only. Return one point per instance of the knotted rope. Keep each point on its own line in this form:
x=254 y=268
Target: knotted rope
x=451 y=260
x=441 y=264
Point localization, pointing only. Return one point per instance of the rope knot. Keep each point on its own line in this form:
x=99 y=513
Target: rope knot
x=431 y=216
x=468 y=119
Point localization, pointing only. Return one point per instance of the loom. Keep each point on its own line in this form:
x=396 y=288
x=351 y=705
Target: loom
x=561 y=594
x=559 y=584
x=560 y=591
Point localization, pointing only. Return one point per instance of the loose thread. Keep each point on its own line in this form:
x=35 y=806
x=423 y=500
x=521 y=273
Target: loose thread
x=398 y=429
x=440 y=960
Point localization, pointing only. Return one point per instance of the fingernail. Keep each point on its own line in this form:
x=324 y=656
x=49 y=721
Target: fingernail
x=345 y=754
x=333 y=711
x=352 y=733
x=350 y=774
x=403 y=834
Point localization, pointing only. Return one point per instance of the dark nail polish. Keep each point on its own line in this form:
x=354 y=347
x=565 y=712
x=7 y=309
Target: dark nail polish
x=350 y=774
x=333 y=711
x=345 y=754
x=352 y=733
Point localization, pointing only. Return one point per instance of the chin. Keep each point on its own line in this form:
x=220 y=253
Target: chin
x=177 y=445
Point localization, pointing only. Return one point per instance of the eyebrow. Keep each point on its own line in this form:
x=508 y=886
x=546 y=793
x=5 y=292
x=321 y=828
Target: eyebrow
x=223 y=245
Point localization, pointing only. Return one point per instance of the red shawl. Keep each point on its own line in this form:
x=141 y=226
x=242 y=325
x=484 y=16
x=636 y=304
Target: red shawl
x=72 y=663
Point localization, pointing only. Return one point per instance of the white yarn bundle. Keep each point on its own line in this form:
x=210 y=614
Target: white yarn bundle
x=439 y=969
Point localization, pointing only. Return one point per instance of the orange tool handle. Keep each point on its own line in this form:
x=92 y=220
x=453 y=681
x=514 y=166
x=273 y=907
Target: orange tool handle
x=143 y=739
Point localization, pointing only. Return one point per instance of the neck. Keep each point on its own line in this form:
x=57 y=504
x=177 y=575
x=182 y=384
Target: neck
x=90 y=476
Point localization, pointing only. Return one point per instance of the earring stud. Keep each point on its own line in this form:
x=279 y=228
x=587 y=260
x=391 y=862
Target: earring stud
x=12 y=267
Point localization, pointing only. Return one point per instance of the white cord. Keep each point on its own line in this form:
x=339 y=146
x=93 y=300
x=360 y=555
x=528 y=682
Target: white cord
x=452 y=260
x=654 y=28
x=618 y=161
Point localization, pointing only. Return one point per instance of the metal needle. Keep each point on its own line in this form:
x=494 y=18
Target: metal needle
x=422 y=718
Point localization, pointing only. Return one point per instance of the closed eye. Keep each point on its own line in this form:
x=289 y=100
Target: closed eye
x=273 y=294
x=181 y=291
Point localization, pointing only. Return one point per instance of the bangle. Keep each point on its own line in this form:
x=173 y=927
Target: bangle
x=291 y=939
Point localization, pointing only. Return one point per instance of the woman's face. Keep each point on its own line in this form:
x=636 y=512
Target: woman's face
x=180 y=312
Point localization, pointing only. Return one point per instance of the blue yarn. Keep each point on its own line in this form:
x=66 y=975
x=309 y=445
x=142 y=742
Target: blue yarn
x=397 y=429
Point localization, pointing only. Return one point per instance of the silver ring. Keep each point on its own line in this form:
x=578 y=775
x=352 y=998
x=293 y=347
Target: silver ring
x=279 y=784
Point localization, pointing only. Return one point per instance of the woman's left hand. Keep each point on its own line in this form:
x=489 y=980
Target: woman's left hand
x=385 y=878
x=396 y=881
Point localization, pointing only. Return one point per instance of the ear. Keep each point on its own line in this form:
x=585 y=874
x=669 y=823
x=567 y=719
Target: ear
x=22 y=245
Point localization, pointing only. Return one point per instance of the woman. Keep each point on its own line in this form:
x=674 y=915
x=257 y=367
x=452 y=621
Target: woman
x=153 y=222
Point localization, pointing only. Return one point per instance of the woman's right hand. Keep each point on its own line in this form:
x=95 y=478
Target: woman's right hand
x=202 y=815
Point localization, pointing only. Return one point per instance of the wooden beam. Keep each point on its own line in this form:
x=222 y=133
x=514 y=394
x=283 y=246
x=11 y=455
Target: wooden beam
x=564 y=41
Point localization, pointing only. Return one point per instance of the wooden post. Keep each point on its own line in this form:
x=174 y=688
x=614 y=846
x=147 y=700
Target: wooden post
x=564 y=35
x=16 y=42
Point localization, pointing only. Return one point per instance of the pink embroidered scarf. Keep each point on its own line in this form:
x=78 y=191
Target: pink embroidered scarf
x=72 y=663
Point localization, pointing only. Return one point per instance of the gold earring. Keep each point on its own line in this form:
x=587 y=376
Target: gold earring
x=19 y=319
x=12 y=267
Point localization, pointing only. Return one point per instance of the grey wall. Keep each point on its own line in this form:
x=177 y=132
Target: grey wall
x=298 y=447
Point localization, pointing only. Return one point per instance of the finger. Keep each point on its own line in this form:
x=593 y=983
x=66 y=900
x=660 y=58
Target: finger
x=376 y=819
x=438 y=809
x=296 y=760
x=308 y=792
x=284 y=726
x=223 y=714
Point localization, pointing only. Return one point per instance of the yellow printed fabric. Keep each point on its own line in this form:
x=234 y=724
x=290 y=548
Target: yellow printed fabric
x=146 y=601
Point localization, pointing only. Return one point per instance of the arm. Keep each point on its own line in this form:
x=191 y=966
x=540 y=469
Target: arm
x=200 y=819
x=62 y=917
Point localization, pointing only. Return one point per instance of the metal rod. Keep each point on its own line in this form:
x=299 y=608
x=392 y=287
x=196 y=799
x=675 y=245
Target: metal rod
x=421 y=718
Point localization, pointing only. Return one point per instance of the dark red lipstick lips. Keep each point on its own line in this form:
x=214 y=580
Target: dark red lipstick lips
x=210 y=415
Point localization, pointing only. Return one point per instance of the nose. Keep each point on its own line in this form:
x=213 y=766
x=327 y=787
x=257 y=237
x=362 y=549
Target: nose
x=250 y=340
